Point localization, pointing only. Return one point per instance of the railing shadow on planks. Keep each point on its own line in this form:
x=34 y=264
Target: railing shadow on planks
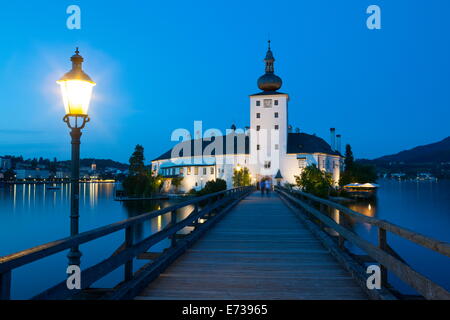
x=207 y=210
x=316 y=213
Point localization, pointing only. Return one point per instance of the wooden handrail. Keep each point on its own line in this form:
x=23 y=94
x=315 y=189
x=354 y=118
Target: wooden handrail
x=124 y=254
x=380 y=254
x=425 y=241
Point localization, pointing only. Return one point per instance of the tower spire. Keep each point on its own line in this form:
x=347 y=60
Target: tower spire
x=269 y=81
x=269 y=60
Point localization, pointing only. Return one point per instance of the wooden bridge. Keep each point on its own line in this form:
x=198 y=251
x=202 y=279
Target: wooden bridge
x=242 y=245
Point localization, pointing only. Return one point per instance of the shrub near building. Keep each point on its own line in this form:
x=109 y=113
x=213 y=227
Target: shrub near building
x=315 y=181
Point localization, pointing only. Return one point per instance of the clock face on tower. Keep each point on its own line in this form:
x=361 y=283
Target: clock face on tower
x=267 y=103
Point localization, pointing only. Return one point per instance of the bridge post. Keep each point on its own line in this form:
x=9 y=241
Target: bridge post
x=173 y=221
x=382 y=244
x=322 y=209
x=194 y=213
x=128 y=272
x=5 y=285
x=342 y=223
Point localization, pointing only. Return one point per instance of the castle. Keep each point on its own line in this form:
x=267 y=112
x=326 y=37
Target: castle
x=268 y=148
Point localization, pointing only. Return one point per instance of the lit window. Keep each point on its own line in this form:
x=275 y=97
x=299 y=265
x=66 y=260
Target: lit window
x=302 y=163
x=189 y=170
x=196 y=170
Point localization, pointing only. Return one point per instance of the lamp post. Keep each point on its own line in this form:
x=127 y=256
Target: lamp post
x=76 y=89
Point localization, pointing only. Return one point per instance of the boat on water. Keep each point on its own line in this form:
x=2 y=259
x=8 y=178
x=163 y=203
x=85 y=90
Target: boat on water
x=361 y=190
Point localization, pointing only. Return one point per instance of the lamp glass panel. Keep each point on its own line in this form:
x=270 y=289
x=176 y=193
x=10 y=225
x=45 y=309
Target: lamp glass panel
x=76 y=96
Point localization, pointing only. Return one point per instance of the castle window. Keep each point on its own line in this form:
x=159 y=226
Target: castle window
x=196 y=170
x=181 y=170
x=275 y=102
x=267 y=103
x=276 y=127
x=258 y=103
x=212 y=170
x=267 y=164
x=188 y=170
x=302 y=163
x=276 y=147
x=258 y=127
x=257 y=147
x=258 y=115
x=276 y=113
x=204 y=171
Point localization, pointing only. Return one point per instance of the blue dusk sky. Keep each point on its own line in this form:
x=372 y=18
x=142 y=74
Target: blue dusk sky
x=161 y=65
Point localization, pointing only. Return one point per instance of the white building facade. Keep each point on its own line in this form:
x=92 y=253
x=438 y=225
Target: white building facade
x=269 y=148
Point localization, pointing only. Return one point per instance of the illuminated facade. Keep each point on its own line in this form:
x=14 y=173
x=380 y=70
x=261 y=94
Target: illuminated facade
x=268 y=147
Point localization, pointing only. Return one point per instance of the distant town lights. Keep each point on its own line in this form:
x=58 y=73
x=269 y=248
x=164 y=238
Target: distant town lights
x=76 y=88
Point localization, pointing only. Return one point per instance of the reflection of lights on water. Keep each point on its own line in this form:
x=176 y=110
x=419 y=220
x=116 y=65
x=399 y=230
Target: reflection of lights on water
x=159 y=222
x=15 y=195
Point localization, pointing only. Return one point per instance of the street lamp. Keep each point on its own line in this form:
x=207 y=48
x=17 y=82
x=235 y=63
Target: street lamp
x=76 y=89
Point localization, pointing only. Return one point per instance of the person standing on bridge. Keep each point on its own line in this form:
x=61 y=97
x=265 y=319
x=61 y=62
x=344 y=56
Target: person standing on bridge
x=267 y=186
x=262 y=186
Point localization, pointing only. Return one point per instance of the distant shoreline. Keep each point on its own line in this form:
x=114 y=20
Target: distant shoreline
x=54 y=182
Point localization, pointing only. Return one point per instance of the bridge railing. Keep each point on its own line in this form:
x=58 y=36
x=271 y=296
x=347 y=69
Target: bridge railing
x=206 y=211
x=317 y=211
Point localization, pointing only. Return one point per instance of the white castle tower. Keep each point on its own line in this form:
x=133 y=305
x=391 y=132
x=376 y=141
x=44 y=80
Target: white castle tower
x=268 y=123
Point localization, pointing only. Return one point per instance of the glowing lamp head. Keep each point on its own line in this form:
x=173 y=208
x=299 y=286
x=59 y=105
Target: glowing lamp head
x=76 y=88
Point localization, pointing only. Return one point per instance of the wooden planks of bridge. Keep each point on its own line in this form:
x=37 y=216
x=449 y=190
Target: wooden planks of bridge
x=259 y=250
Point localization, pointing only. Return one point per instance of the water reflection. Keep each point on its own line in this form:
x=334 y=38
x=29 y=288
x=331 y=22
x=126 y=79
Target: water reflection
x=367 y=208
x=32 y=214
x=145 y=229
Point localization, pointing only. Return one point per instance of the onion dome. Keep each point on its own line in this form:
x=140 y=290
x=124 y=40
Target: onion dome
x=269 y=81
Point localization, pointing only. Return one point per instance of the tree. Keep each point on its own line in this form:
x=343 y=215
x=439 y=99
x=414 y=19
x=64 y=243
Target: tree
x=349 y=160
x=212 y=186
x=176 y=182
x=358 y=173
x=140 y=182
x=142 y=185
x=315 y=181
x=137 y=161
x=9 y=175
x=355 y=172
x=241 y=177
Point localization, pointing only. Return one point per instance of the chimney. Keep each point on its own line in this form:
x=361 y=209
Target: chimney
x=333 y=138
x=338 y=143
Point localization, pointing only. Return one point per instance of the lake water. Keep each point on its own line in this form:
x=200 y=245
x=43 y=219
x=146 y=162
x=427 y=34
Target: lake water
x=421 y=206
x=31 y=215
